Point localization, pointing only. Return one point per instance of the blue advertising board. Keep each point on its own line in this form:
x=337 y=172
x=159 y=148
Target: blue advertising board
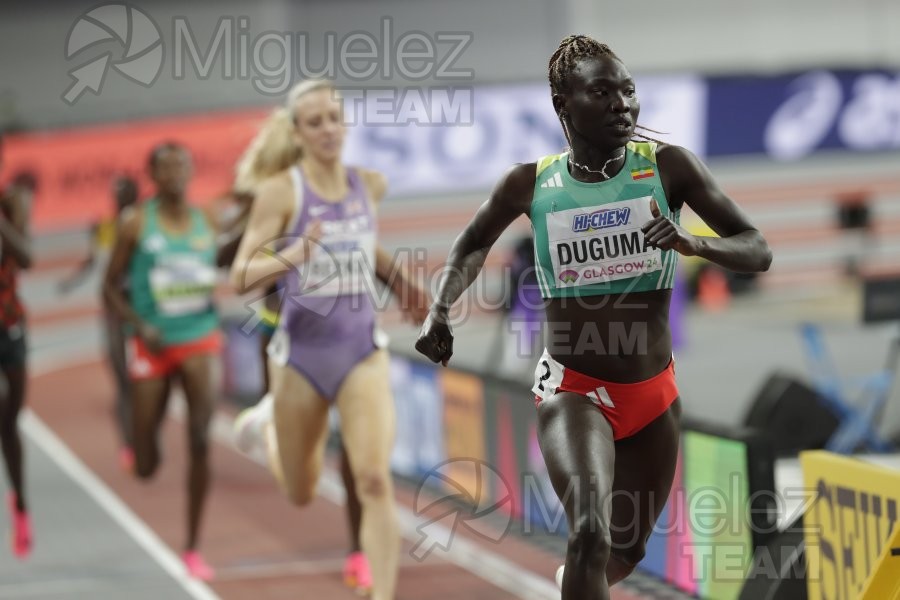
x=788 y=117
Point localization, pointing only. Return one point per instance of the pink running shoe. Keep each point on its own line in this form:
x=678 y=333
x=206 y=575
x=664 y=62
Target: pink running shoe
x=357 y=573
x=197 y=567
x=126 y=459
x=21 y=529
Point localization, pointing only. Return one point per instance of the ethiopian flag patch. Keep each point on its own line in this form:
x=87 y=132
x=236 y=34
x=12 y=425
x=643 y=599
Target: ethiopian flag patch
x=642 y=173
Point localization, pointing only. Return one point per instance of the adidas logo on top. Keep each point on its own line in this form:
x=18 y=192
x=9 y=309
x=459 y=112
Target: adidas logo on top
x=553 y=182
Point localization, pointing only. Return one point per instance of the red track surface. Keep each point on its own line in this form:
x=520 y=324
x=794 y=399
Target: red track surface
x=262 y=547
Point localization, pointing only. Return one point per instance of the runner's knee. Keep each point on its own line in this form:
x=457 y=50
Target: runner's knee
x=590 y=539
x=372 y=484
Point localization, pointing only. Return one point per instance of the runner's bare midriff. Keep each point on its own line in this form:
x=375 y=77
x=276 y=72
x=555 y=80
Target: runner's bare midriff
x=622 y=338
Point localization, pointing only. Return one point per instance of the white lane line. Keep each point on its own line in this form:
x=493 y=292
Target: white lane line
x=59 y=453
x=328 y=566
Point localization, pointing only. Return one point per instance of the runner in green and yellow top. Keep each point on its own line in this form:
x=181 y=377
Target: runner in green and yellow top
x=605 y=219
x=588 y=238
x=167 y=251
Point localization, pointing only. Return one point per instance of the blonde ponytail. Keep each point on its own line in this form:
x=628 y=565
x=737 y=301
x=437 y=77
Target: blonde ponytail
x=274 y=148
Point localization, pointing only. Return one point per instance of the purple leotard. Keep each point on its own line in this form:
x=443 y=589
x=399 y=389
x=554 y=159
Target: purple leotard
x=327 y=323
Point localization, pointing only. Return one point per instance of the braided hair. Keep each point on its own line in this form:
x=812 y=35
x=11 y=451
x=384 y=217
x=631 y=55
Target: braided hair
x=572 y=49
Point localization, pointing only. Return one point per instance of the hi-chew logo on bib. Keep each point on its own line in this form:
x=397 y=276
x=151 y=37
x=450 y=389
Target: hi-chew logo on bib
x=602 y=219
x=602 y=245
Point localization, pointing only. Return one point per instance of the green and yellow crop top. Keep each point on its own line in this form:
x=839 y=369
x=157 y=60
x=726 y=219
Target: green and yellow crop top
x=587 y=236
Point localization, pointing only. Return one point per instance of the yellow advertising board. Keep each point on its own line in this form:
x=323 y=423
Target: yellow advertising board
x=848 y=522
x=464 y=428
x=884 y=583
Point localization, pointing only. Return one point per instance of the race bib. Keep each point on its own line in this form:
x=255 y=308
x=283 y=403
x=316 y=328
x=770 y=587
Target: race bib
x=182 y=284
x=342 y=264
x=598 y=245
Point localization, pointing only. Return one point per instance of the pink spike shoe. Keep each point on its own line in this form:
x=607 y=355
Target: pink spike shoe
x=126 y=459
x=357 y=574
x=197 y=567
x=21 y=529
